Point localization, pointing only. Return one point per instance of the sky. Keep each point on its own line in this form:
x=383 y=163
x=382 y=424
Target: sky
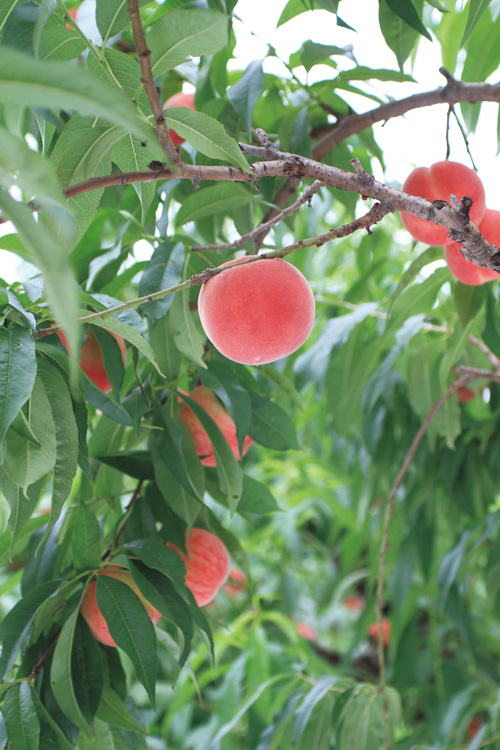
x=418 y=139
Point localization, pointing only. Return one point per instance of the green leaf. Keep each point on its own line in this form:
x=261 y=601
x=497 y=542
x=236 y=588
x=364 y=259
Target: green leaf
x=418 y=298
x=64 y=469
x=491 y=327
x=399 y=36
x=112 y=710
x=50 y=257
x=313 y=697
x=26 y=462
x=57 y=42
x=223 y=198
x=187 y=337
x=86 y=668
x=245 y=92
x=407 y=11
x=256 y=497
x=17 y=372
x=112 y=17
x=21 y=721
x=361 y=73
x=86 y=539
x=163 y=271
x=156 y=555
x=229 y=471
x=55 y=85
x=272 y=426
x=135 y=463
x=449 y=567
x=17 y=625
x=312 y=53
x=184 y=501
x=185 y=33
x=411 y=273
x=46 y=718
x=6 y=8
x=112 y=323
x=476 y=10
x=131 y=628
x=8 y=548
x=130 y=155
x=363 y=726
x=21 y=504
x=206 y=135
x=166 y=352
x=62 y=678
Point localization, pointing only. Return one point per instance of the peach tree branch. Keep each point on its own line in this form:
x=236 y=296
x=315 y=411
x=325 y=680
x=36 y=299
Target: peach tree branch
x=152 y=91
x=376 y=213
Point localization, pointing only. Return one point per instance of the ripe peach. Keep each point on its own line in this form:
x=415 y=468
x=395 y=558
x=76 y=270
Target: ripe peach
x=355 y=603
x=209 y=401
x=386 y=631
x=92 y=614
x=473 y=728
x=437 y=182
x=207 y=564
x=72 y=12
x=465 y=394
x=236 y=584
x=258 y=312
x=91 y=360
x=306 y=631
x=179 y=100
x=465 y=271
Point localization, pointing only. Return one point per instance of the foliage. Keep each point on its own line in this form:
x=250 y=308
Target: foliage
x=313 y=515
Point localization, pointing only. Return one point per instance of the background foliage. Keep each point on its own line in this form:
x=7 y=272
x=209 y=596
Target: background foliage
x=332 y=423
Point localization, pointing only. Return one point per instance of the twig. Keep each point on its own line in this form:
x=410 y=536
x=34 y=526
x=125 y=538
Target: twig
x=40 y=664
x=467 y=374
x=376 y=213
x=124 y=521
x=144 y=55
x=304 y=198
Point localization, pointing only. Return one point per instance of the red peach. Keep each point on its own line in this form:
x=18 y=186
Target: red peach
x=355 y=603
x=237 y=583
x=306 y=631
x=465 y=271
x=209 y=401
x=72 y=12
x=465 y=394
x=257 y=312
x=207 y=564
x=437 y=182
x=386 y=631
x=92 y=614
x=473 y=728
x=91 y=360
x=180 y=99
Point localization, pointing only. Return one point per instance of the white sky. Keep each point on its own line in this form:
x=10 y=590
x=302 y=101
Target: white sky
x=415 y=140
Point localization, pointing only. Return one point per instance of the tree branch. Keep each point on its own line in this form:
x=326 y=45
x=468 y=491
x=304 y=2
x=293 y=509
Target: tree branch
x=144 y=55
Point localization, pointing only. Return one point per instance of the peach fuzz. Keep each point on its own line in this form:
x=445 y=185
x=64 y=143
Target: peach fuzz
x=91 y=360
x=92 y=614
x=465 y=271
x=180 y=99
x=437 y=182
x=257 y=312
x=207 y=564
x=209 y=401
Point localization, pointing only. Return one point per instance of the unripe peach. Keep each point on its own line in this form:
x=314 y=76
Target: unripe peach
x=207 y=564
x=386 y=631
x=437 y=182
x=257 y=312
x=237 y=583
x=465 y=271
x=92 y=614
x=180 y=99
x=209 y=401
x=91 y=360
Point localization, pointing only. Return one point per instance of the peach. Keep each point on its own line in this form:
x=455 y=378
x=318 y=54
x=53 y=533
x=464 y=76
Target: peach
x=180 y=99
x=92 y=614
x=437 y=182
x=207 y=564
x=465 y=394
x=72 y=12
x=306 y=631
x=237 y=583
x=258 y=312
x=355 y=603
x=91 y=360
x=386 y=631
x=465 y=271
x=209 y=401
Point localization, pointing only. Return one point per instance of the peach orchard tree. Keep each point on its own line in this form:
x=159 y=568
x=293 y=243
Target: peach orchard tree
x=366 y=503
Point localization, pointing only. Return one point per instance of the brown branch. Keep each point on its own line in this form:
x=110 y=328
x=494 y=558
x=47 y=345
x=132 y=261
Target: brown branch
x=452 y=93
x=304 y=198
x=144 y=55
x=124 y=522
x=467 y=374
x=41 y=663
